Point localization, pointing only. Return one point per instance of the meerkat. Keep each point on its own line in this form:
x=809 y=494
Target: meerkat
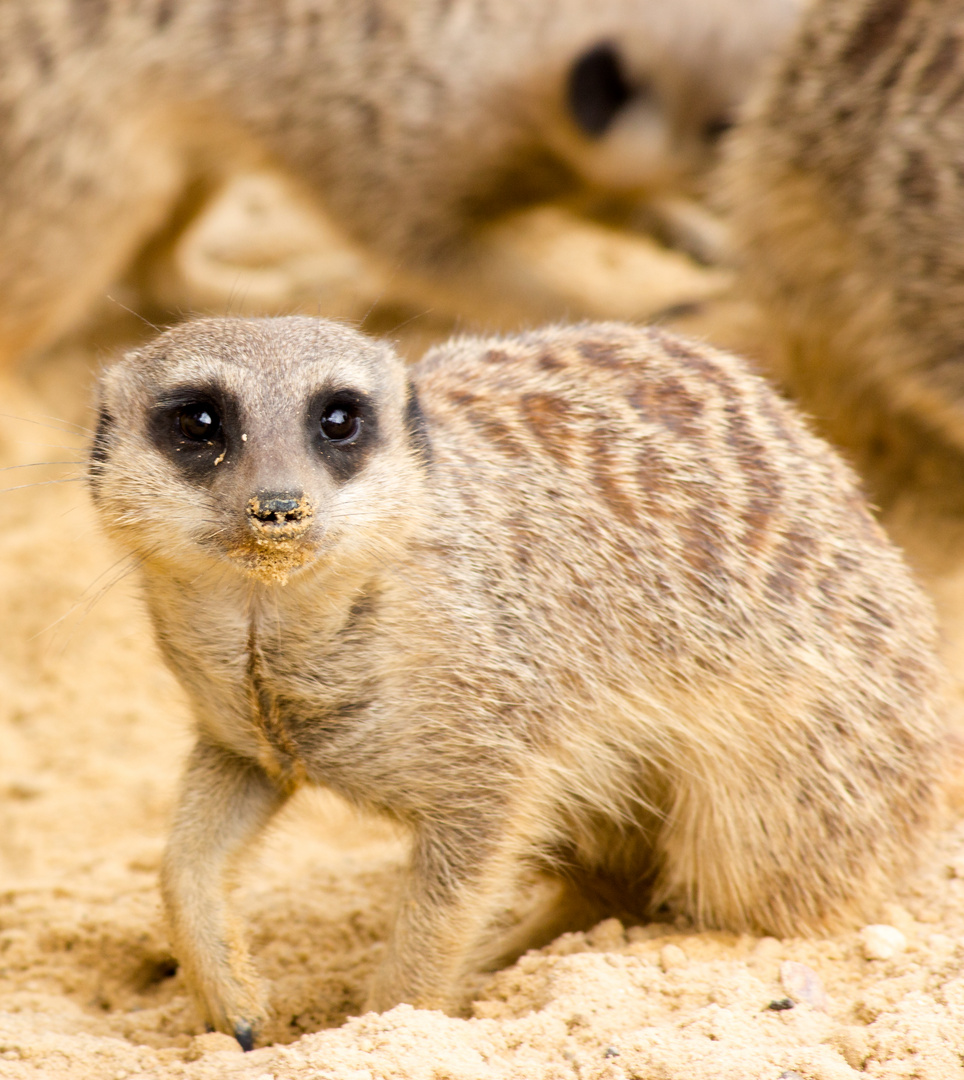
x=413 y=123
x=846 y=191
x=589 y=601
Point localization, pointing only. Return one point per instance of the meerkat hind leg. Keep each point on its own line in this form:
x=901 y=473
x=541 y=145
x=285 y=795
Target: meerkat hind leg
x=225 y=802
x=556 y=905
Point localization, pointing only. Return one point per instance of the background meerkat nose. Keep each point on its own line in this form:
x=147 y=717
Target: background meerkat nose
x=281 y=513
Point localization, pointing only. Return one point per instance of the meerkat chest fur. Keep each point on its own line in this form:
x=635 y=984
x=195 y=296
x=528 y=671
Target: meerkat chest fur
x=272 y=671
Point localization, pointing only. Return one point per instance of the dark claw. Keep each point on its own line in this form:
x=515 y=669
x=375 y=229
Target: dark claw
x=245 y=1036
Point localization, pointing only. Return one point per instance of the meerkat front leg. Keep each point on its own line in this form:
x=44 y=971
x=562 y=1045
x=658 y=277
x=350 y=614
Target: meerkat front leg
x=458 y=879
x=225 y=802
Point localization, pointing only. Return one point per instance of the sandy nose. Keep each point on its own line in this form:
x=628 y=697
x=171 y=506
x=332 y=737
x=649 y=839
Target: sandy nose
x=281 y=515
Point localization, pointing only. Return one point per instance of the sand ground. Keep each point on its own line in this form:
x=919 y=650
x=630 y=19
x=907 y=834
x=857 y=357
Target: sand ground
x=94 y=730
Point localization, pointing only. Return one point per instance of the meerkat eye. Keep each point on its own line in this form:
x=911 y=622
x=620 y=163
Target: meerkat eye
x=198 y=422
x=343 y=428
x=340 y=423
x=597 y=89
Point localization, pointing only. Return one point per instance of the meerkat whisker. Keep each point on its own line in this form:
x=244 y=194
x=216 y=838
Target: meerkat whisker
x=42 y=483
x=40 y=464
x=128 y=565
x=67 y=427
x=54 y=446
x=130 y=311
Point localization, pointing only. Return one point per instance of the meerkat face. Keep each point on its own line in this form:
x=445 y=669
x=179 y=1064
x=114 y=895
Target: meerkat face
x=263 y=445
x=623 y=120
x=648 y=104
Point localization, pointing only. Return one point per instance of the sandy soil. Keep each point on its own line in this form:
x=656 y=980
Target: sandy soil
x=94 y=729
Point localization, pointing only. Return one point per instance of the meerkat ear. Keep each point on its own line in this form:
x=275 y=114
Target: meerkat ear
x=416 y=426
x=597 y=89
x=99 y=450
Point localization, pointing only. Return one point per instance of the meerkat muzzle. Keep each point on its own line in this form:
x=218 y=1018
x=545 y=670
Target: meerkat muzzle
x=279 y=515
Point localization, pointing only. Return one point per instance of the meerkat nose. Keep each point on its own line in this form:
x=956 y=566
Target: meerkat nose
x=281 y=514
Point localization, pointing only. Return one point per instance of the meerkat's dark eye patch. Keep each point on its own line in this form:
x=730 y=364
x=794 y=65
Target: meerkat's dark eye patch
x=191 y=427
x=195 y=425
x=597 y=89
x=342 y=426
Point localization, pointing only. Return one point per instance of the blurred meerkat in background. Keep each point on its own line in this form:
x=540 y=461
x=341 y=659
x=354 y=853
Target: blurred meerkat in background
x=414 y=125
x=846 y=185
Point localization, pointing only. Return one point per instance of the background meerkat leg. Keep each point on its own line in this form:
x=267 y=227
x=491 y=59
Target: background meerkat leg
x=225 y=803
x=79 y=208
x=457 y=881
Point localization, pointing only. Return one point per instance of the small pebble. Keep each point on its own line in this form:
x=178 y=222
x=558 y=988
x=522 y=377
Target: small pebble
x=672 y=956
x=790 y=1074
x=803 y=984
x=780 y=1005
x=610 y=1052
x=881 y=942
x=636 y=934
x=608 y=935
x=212 y=1042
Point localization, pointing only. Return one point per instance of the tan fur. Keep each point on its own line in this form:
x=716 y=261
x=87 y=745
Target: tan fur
x=415 y=122
x=848 y=198
x=590 y=601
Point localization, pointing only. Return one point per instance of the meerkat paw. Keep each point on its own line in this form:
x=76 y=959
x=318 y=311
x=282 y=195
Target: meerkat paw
x=235 y=1005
